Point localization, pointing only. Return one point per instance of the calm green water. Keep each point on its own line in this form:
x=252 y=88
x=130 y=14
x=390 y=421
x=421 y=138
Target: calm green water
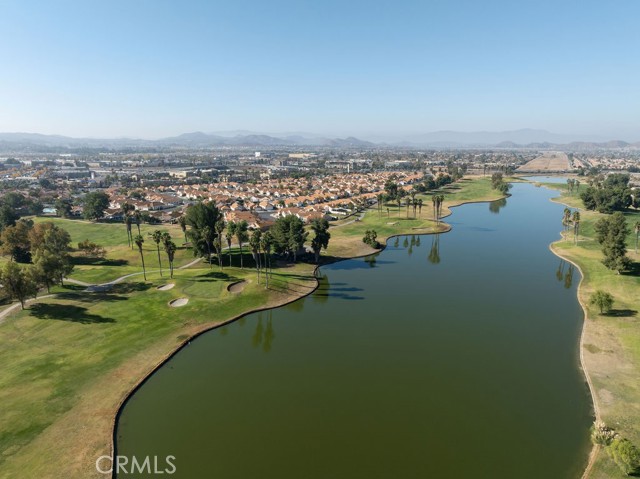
x=442 y=357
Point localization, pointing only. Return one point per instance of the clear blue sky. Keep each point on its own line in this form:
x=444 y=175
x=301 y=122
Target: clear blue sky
x=157 y=68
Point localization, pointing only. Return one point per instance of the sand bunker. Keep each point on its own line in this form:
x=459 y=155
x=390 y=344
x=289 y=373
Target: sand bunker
x=176 y=303
x=165 y=287
x=237 y=287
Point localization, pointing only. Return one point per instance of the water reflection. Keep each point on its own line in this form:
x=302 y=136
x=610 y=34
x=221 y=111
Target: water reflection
x=371 y=260
x=496 y=206
x=263 y=335
x=434 y=252
x=565 y=277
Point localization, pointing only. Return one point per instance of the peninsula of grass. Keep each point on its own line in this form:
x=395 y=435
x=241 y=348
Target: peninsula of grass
x=611 y=341
x=68 y=361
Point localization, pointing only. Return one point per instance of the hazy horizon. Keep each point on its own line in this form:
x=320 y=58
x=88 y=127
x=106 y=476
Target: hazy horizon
x=154 y=69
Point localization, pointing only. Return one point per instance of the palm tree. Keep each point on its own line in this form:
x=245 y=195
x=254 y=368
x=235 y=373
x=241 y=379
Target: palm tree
x=566 y=219
x=183 y=226
x=170 y=249
x=219 y=230
x=576 y=225
x=434 y=200
x=242 y=236
x=254 y=244
x=157 y=238
x=126 y=208
x=266 y=244
x=231 y=232
x=636 y=230
x=128 y=221
x=139 y=241
x=398 y=200
x=440 y=203
x=138 y=218
x=420 y=207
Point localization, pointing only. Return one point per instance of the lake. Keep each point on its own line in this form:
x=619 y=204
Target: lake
x=448 y=356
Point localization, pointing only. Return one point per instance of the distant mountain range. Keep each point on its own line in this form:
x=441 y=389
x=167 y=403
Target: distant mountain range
x=525 y=138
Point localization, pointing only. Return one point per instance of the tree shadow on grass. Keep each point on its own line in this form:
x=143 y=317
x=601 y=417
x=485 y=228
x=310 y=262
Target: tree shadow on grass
x=130 y=287
x=621 y=313
x=214 y=276
x=66 y=312
x=83 y=260
x=90 y=298
x=634 y=270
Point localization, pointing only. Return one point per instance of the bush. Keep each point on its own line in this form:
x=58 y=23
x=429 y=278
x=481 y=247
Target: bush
x=371 y=238
x=625 y=455
x=601 y=434
x=601 y=299
x=89 y=248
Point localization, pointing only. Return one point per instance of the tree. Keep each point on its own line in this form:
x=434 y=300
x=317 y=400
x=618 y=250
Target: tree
x=139 y=241
x=625 y=455
x=320 y=227
x=157 y=238
x=254 y=245
x=137 y=218
x=636 y=230
x=169 y=248
x=391 y=189
x=183 y=226
x=371 y=238
x=95 y=204
x=18 y=282
x=127 y=208
x=47 y=268
x=50 y=247
x=242 y=236
x=14 y=242
x=601 y=299
x=611 y=233
x=231 y=232
x=218 y=241
x=288 y=235
x=575 y=219
x=8 y=216
x=566 y=220
x=63 y=207
x=202 y=218
x=266 y=244
x=297 y=236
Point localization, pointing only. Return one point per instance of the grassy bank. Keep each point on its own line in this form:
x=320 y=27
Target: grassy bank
x=611 y=342
x=69 y=361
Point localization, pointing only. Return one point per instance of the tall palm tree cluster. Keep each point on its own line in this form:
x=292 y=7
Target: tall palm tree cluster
x=571 y=220
x=571 y=184
x=204 y=227
x=437 y=201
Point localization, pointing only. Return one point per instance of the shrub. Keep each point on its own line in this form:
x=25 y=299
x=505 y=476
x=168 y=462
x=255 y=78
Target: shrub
x=625 y=455
x=602 y=434
x=602 y=300
x=89 y=248
x=370 y=238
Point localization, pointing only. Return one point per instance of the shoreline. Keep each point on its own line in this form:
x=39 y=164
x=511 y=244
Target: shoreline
x=595 y=449
x=211 y=327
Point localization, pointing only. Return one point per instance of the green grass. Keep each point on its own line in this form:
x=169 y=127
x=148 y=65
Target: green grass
x=56 y=355
x=611 y=342
x=121 y=259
